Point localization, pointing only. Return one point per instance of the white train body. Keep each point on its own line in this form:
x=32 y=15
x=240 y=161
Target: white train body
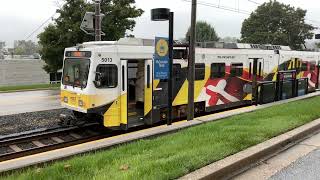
x=115 y=79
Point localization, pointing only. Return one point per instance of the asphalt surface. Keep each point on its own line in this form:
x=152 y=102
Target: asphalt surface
x=300 y=162
x=29 y=101
x=306 y=168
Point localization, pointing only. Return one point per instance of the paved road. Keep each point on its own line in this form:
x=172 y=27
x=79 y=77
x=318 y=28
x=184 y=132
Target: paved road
x=301 y=162
x=306 y=168
x=29 y=101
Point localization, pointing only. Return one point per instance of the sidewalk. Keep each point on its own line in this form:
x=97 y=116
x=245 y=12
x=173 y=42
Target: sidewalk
x=299 y=162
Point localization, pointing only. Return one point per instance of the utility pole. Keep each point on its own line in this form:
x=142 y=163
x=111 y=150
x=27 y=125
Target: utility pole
x=97 y=30
x=191 y=61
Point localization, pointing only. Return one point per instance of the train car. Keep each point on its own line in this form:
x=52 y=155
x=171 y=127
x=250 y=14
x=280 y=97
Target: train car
x=113 y=81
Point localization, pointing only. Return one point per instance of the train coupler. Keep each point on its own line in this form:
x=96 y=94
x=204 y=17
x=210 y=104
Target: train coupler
x=69 y=120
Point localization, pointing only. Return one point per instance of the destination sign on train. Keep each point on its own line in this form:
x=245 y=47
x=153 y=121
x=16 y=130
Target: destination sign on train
x=78 y=54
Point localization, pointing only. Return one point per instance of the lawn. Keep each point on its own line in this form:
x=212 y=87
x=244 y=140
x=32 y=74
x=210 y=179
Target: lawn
x=28 y=87
x=174 y=155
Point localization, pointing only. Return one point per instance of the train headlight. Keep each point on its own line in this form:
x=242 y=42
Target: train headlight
x=65 y=99
x=80 y=103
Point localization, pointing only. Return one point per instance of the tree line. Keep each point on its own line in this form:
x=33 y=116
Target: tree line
x=271 y=23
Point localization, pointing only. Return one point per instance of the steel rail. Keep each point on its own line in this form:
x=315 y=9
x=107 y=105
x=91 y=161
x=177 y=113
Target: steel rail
x=33 y=142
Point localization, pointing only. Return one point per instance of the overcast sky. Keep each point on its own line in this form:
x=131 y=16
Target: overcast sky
x=19 y=18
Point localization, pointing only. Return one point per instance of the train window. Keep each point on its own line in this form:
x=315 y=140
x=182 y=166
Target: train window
x=123 y=79
x=296 y=63
x=284 y=66
x=312 y=66
x=236 y=69
x=180 y=54
x=148 y=76
x=260 y=69
x=109 y=75
x=218 y=70
x=250 y=69
x=200 y=70
x=176 y=71
x=304 y=66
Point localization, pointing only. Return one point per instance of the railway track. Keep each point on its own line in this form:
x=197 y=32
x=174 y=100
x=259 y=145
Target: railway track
x=33 y=142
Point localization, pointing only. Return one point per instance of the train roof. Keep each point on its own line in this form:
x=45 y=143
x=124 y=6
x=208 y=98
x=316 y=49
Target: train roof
x=129 y=45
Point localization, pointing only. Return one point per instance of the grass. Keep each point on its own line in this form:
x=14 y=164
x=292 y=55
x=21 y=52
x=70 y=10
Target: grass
x=28 y=87
x=174 y=155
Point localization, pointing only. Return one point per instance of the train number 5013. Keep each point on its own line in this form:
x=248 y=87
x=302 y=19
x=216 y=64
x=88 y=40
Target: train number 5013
x=107 y=60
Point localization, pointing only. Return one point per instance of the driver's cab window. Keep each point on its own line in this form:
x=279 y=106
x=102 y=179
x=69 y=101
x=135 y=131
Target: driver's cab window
x=107 y=74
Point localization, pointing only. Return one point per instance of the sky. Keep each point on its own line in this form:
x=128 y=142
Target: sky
x=19 y=18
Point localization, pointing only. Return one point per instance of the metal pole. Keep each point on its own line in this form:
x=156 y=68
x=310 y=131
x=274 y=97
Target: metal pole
x=97 y=21
x=170 y=85
x=254 y=81
x=191 y=61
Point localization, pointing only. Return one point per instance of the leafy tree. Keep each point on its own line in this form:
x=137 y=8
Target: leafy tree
x=22 y=47
x=276 y=23
x=204 y=32
x=229 y=39
x=2 y=45
x=65 y=31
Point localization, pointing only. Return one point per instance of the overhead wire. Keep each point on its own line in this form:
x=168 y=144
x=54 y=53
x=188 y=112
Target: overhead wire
x=219 y=6
x=40 y=26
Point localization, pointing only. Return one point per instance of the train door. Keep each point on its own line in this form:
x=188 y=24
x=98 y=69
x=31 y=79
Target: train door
x=139 y=82
x=256 y=75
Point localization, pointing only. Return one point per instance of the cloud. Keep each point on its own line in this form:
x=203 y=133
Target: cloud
x=16 y=28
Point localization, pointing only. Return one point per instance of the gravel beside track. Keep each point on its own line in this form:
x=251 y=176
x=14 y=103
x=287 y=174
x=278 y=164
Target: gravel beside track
x=18 y=123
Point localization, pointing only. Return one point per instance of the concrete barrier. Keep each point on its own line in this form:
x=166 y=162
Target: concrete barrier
x=22 y=72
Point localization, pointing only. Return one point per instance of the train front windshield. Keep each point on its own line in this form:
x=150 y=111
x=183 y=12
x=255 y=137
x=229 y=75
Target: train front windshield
x=75 y=72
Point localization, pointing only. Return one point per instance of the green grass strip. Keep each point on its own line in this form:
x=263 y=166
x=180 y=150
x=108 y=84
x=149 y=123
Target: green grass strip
x=174 y=155
x=28 y=87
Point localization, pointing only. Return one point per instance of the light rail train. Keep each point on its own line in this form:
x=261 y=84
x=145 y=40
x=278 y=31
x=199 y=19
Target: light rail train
x=114 y=80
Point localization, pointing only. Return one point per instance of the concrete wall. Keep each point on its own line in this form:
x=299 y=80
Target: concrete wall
x=22 y=72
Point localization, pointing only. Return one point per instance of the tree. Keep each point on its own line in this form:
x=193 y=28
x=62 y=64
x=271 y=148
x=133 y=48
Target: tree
x=65 y=31
x=22 y=47
x=204 y=32
x=2 y=45
x=276 y=23
x=229 y=39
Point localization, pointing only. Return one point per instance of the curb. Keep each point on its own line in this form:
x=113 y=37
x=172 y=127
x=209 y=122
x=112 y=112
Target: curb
x=26 y=90
x=242 y=161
